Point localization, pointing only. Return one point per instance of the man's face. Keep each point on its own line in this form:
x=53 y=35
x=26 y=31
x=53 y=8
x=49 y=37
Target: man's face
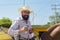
x=25 y=15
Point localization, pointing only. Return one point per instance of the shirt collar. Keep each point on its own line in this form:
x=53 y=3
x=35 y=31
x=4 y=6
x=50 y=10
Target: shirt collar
x=23 y=21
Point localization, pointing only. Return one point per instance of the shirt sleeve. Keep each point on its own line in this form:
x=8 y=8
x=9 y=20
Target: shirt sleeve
x=13 y=30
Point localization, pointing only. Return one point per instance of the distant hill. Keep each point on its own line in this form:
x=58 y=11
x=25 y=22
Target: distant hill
x=38 y=26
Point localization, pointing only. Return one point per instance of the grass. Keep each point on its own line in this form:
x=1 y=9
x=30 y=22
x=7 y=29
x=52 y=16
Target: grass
x=4 y=36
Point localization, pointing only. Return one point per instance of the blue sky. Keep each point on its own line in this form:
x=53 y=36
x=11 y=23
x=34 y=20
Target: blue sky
x=41 y=9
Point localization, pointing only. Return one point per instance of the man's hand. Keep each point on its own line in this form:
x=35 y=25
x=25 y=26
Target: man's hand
x=23 y=29
x=31 y=31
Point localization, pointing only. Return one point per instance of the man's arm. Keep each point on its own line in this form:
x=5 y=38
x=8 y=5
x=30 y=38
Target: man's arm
x=13 y=29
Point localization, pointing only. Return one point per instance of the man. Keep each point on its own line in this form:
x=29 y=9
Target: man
x=53 y=33
x=22 y=26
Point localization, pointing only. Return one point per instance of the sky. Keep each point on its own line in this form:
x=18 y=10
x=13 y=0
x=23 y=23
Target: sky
x=42 y=9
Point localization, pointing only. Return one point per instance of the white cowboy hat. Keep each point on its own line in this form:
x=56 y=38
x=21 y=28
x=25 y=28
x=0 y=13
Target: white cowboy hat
x=24 y=9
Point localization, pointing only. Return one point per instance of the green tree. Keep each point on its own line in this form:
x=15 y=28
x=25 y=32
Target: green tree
x=5 y=22
x=47 y=25
x=55 y=18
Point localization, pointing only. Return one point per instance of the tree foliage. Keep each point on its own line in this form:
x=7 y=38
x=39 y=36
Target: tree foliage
x=5 y=22
x=55 y=18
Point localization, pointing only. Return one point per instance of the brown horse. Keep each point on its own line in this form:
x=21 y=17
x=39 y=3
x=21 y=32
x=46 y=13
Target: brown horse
x=53 y=33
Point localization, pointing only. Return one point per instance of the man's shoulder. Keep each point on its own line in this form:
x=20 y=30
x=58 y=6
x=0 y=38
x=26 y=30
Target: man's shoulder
x=18 y=19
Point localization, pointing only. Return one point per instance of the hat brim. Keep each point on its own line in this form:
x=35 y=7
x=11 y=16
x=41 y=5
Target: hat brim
x=20 y=10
